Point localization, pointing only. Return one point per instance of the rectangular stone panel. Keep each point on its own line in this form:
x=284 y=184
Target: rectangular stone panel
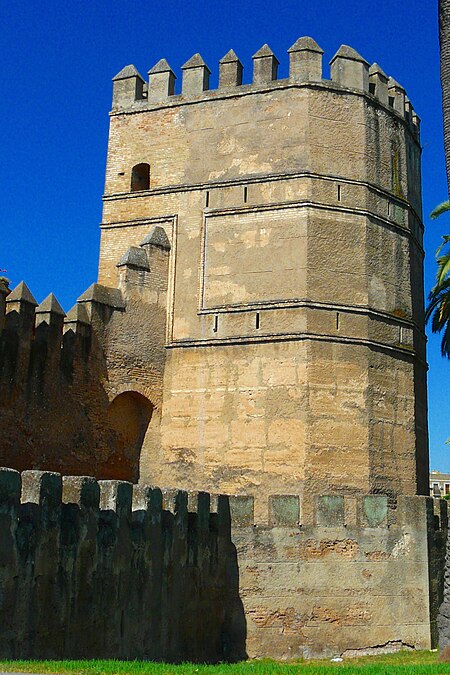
x=284 y=510
x=254 y=256
x=330 y=510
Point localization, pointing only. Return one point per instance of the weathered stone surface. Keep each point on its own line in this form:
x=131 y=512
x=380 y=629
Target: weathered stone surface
x=262 y=336
x=327 y=589
x=82 y=582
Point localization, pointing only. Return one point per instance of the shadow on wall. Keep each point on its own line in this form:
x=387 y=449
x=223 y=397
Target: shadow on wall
x=109 y=570
x=128 y=415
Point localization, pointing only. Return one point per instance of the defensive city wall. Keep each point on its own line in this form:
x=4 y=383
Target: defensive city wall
x=103 y=569
x=256 y=332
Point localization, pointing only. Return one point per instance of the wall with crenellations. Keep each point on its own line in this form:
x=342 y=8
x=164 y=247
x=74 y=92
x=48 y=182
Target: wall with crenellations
x=78 y=391
x=357 y=576
x=109 y=570
x=101 y=570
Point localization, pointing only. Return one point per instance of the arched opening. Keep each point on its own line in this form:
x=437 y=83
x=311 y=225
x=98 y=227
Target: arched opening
x=129 y=415
x=140 y=177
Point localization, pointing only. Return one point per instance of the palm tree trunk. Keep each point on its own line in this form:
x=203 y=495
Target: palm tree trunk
x=444 y=41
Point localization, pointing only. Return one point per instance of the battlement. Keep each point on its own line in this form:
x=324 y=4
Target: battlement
x=34 y=334
x=348 y=71
x=50 y=490
x=153 y=558
x=105 y=569
x=339 y=511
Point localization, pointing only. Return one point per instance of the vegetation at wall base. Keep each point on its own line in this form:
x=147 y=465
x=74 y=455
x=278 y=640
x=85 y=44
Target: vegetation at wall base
x=401 y=663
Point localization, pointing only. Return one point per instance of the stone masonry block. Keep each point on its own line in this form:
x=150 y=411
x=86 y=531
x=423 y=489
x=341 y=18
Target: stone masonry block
x=284 y=510
x=374 y=510
x=116 y=495
x=330 y=511
x=81 y=490
x=41 y=487
x=10 y=486
x=242 y=510
x=148 y=499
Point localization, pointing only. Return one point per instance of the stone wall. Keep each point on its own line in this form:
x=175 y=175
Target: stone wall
x=359 y=577
x=441 y=574
x=105 y=569
x=78 y=392
x=99 y=570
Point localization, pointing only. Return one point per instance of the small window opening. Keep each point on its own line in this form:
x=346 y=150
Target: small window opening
x=207 y=199
x=372 y=87
x=339 y=193
x=337 y=320
x=400 y=334
x=140 y=177
x=245 y=194
x=389 y=208
x=121 y=173
x=391 y=100
x=257 y=321
x=216 y=324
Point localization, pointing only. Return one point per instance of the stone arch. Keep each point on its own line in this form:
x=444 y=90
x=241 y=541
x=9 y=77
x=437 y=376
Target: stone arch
x=128 y=416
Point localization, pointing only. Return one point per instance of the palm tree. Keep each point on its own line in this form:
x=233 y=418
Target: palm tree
x=444 y=43
x=439 y=299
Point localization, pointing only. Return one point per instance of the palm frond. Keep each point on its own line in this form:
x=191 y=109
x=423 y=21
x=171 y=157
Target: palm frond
x=443 y=268
x=445 y=343
x=445 y=240
x=440 y=209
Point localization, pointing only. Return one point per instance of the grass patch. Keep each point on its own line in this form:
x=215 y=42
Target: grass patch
x=403 y=663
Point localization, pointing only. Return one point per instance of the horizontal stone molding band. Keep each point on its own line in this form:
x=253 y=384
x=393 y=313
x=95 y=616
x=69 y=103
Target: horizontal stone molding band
x=311 y=304
x=262 y=178
x=274 y=337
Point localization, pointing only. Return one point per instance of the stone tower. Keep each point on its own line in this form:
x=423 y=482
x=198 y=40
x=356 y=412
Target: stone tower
x=277 y=227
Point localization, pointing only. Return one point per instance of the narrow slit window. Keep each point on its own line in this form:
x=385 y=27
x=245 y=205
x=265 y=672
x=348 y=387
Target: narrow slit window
x=257 y=321
x=245 y=194
x=207 y=199
x=339 y=193
x=389 y=208
x=338 y=318
x=140 y=177
x=216 y=323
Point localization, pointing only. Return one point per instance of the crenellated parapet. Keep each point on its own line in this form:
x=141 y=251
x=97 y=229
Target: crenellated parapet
x=77 y=550
x=39 y=338
x=59 y=373
x=92 y=569
x=342 y=579
x=348 y=70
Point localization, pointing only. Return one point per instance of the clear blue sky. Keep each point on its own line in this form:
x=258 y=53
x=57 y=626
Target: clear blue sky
x=58 y=59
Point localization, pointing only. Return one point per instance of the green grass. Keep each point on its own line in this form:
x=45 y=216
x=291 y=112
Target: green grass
x=402 y=663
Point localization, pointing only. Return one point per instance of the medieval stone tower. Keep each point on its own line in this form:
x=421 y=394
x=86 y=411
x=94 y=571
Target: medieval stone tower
x=292 y=292
x=257 y=331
